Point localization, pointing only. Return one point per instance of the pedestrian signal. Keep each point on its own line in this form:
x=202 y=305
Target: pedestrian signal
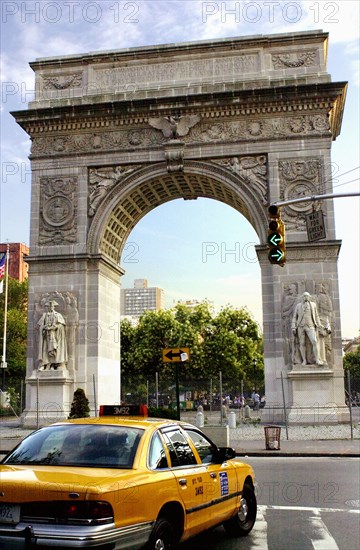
x=276 y=237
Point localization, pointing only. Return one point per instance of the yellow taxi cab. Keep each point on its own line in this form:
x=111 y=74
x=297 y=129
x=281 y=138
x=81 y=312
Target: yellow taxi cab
x=121 y=481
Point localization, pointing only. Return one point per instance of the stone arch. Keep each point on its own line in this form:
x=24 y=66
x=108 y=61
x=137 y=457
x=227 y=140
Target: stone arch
x=197 y=119
x=149 y=187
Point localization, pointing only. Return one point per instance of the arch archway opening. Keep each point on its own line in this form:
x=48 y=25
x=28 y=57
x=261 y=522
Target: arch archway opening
x=133 y=202
x=196 y=250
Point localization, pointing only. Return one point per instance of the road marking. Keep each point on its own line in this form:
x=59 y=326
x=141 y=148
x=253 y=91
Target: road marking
x=324 y=539
x=321 y=536
x=259 y=534
x=308 y=509
x=248 y=458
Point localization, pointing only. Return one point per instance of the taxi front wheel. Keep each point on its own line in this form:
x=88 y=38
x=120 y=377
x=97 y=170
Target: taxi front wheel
x=244 y=520
x=162 y=537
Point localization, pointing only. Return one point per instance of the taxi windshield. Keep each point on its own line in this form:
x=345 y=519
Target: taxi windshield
x=85 y=445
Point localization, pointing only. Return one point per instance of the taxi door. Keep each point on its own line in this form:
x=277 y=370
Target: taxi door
x=192 y=480
x=220 y=480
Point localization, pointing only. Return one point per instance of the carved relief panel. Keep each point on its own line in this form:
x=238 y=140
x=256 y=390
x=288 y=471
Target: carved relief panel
x=58 y=210
x=321 y=317
x=101 y=180
x=293 y=60
x=253 y=172
x=241 y=127
x=299 y=178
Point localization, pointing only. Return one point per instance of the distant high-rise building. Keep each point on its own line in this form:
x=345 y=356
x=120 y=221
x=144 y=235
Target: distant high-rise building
x=135 y=301
x=18 y=267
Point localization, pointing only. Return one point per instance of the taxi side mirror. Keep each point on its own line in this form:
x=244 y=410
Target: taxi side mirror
x=222 y=454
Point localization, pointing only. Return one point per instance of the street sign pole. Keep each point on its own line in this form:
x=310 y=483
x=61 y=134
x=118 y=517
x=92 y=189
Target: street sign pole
x=176 y=356
x=177 y=390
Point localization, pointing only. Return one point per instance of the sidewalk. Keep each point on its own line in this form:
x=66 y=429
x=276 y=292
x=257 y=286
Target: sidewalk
x=329 y=447
x=249 y=441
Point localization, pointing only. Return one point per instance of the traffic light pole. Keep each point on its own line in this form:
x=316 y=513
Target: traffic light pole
x=316 y=198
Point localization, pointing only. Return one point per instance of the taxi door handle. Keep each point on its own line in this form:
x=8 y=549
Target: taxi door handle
x=182 y=481
x=213 y=475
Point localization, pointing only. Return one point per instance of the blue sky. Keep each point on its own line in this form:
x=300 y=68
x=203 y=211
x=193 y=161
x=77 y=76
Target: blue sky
x=192 y=249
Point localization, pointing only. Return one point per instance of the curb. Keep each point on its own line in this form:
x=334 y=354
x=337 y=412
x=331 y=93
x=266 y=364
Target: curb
x=298 y=454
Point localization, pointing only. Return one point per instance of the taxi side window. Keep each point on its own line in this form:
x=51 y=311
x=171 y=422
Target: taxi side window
x=204 y=447
x=157 y=458
x=179 y=449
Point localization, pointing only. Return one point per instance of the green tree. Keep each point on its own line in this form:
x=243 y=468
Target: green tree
x=80 y=405
x=232 y=343
x=16 y=340
x=127 y=347
x=352 y=364
x=156 y=330
x=227 y=342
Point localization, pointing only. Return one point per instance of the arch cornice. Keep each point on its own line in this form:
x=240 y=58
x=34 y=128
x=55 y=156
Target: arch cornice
x=145 y=189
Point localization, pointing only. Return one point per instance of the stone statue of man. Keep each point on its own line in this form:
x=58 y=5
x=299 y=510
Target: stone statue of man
x=52 y=343
x=305 y=325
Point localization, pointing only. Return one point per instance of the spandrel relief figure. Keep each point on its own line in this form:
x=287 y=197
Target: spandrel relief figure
x=305 y=326
x=52 y=339
x=101 y=182
x=325 y=309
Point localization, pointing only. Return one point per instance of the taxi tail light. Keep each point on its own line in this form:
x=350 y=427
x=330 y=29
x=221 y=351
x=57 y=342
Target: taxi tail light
x=90 y=512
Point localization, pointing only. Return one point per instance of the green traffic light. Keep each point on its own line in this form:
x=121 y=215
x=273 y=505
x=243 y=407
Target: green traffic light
x=275 y=239
x=276 y=256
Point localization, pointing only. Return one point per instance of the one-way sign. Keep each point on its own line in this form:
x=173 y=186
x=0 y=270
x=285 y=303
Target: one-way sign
x=175 y=355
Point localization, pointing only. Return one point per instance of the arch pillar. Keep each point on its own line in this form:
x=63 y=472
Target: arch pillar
x=312 y=393
x=88 y=296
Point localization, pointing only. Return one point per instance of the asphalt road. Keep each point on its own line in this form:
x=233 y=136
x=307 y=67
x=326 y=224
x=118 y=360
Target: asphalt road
x=303 y=504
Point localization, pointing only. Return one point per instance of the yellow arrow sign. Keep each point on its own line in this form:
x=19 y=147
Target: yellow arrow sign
x=175 y=355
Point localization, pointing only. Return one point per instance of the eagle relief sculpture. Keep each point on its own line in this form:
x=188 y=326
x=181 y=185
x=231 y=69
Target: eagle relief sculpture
x=174 y=127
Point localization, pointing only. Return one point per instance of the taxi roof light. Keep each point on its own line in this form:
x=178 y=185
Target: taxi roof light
x=124 y=410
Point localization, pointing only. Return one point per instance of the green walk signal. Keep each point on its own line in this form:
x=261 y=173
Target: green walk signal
x=276 y=237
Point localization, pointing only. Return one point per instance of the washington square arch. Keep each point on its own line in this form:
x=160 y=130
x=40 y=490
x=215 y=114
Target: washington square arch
x=245 y=121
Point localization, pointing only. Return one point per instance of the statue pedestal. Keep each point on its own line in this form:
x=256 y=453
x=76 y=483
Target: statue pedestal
x=49 y=398
x=315 y=396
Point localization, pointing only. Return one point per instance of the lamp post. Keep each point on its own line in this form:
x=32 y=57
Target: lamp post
x=254 y=363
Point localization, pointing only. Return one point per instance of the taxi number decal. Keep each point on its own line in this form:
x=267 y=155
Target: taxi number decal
x=224 y=483
x=197 y=480
x=199 y=490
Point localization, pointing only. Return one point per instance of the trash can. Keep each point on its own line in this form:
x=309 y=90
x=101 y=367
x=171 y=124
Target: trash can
x=272 y=438
x=232 y=419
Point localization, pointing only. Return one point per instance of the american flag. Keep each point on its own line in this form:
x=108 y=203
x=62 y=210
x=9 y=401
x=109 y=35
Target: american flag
x=2 y=265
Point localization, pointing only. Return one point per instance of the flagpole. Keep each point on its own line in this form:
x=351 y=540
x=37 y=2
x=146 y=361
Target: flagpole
x=3 y=358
